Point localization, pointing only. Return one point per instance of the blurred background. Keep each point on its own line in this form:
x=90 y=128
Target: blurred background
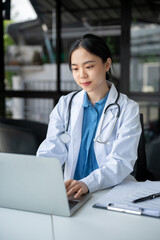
x=35 y=38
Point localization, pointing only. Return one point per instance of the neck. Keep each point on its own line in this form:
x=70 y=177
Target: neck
x=98 y=94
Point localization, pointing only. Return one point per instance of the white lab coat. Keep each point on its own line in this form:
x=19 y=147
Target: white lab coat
x=115 y=159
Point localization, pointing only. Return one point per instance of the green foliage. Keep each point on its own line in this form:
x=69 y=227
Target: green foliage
x=114 y=44
x=8 y=77
x=149 y=58
x=8 y=41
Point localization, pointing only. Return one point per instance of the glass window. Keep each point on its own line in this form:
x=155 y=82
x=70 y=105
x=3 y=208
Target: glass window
x=151 y=120
x=145 y=60
x=36 y=109
x=150 y=111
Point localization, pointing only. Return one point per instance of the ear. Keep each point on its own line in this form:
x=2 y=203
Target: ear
x=108 y=64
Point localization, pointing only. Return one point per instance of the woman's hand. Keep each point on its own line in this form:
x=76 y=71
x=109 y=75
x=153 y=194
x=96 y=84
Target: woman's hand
x=78 y=187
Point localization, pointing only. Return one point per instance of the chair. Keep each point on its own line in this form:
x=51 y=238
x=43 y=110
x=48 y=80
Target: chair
x=140 y=169
x=21 y=136
x=153 y=160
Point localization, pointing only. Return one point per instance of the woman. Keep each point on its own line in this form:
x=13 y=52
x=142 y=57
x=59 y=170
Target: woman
x=101 y=151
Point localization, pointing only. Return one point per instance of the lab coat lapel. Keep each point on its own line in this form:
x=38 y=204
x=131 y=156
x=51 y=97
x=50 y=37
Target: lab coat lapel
x=109 y=114
x=77 y=112
x=76 y=129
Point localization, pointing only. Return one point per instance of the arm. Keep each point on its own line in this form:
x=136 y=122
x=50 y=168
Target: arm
x=52 y=145
x=118 y=164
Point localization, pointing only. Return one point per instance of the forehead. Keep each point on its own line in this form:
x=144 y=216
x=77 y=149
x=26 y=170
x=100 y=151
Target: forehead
x=81 y=55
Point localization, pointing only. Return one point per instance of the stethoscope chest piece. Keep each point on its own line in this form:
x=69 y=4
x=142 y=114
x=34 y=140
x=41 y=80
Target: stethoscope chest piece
x=65 y=137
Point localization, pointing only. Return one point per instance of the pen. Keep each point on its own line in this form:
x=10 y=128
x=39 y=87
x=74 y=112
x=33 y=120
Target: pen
x=149 y=197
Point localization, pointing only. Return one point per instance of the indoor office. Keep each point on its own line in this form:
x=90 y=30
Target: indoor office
x=35 y=40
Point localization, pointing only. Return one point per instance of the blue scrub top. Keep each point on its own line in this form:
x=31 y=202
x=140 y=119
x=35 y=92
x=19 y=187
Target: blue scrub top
x=87 y=162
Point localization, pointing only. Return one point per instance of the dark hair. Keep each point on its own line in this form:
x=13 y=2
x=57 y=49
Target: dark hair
x=95 y=45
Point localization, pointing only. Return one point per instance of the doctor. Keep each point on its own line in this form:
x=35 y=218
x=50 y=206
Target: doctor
x=101 y=142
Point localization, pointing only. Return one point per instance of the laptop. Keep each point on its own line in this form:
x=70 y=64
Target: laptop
x=35 y=184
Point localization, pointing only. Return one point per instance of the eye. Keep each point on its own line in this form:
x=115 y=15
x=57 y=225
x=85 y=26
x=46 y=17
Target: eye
x=75 y=69
x=89 y=67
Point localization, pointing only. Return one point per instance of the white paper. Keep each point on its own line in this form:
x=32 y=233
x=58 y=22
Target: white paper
x=126 y=192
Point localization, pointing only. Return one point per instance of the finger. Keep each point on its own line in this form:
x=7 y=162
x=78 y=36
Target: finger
x=82 y=190
x=68 y=182
x=72 y=184
x=79 y=193
x=73 y=190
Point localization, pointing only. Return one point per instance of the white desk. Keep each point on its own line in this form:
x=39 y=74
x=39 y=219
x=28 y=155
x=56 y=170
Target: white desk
x=20 y=225
x=98 y=224
x=87 y=223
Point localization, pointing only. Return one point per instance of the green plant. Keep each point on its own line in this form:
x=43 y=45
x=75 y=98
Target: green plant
x=8 y=41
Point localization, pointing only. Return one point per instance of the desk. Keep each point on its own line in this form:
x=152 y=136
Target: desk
x=87 y=223
x=21 y=225
x=98 y=224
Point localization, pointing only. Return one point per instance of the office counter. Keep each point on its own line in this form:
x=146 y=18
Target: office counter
x=86 y=223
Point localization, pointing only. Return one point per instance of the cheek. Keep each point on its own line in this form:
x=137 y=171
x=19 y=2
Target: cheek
x=97 y=76
x=75 y=76
x=102 y=74
x=99 y=71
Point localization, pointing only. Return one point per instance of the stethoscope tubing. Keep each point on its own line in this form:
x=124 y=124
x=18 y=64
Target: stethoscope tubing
x=95 y=140
x=117 y=116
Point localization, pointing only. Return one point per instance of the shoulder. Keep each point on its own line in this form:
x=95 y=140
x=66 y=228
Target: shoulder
x=129 y=108
x=75 y=98
x=62 y=106
x=126 y=102
x=65 y=99
x=71 y=96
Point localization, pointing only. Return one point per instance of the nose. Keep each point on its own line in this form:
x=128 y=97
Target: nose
x=82 y=73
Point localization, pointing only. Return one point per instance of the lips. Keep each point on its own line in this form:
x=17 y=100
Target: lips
x=85 y=84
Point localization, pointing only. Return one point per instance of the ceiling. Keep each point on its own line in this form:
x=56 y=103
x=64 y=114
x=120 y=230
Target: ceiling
x=96 y=12
x=83 y=15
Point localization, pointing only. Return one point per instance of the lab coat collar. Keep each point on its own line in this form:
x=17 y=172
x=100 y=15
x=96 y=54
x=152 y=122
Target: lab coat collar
x=109 y=115
x=78 y=100
x=112 y=96
x=77 y=108
x=113 y=93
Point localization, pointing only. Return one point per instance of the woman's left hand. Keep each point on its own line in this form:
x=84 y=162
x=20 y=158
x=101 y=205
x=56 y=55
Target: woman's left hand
x=78 y=187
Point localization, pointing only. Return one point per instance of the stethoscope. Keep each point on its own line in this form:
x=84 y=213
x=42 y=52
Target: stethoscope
x=65 y=136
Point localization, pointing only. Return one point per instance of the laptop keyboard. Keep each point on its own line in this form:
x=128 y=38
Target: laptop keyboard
x=72 y=203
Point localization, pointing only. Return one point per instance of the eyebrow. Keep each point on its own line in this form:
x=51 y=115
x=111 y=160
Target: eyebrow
x=90 y=61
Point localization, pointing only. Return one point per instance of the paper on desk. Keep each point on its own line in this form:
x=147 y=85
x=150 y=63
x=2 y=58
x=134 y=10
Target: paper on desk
x=126 y=192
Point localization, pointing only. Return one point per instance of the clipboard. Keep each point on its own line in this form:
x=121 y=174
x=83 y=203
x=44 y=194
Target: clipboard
x=120 y=199
x=129 y=209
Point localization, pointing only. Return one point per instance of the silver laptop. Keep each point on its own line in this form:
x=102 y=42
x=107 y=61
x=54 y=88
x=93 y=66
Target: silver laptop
x=35 y=184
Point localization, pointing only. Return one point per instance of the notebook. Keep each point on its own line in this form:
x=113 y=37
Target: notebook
x=35 y=184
